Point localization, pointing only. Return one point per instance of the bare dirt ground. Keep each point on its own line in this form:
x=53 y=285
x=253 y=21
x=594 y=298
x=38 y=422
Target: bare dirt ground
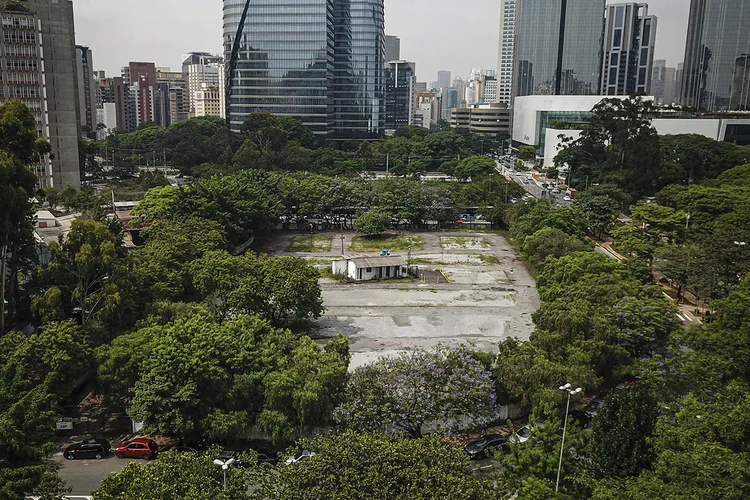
x=490 y=297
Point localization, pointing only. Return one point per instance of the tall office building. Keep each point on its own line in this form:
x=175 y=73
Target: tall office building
x=664 y=84
x=358 y=86
x=86 y=86
x=320 y=61
x=558 y=47
x=38 y=66
x=629 y=39
x=392 y=48
x=716 y=74
x=172 y=102
x=505 y=51
x=443 y=79
x=400 y=95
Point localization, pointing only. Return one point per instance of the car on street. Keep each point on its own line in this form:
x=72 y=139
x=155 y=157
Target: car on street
x=566 y=198
x=584 y=419
x=85 y=450
x=555 y=191
x=144 y=448
x=105 y=443
x=299 y=456
x=478 y=448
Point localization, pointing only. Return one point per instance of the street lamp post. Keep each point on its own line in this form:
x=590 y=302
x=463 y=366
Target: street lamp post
x=570 y=392
x=225 y=467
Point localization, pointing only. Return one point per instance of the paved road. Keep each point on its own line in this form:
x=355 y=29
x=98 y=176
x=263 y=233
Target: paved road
x=529 y=184
x=84 y=476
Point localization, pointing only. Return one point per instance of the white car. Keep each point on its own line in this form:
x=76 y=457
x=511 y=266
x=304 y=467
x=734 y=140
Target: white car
x=299 y=456
x=567 y=198
x=521 y=435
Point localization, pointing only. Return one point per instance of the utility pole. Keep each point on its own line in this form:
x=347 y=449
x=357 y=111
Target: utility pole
x=387 y=161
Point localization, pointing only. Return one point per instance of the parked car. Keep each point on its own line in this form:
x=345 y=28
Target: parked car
x=264 y=457
x=85 y=450
x=478 y=448
x=555 y=191
x=583 y=418
x=105 y=444
x=299 y=456
x=179 y=448
x=566 y=198
x=521 y=435
x=593 y=407
x=144 y=448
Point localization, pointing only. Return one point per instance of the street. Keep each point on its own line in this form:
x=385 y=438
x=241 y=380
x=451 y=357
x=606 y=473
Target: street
x=529 y=184
x=84 y=476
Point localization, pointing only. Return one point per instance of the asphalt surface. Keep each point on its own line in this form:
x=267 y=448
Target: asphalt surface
x=529 y=184
x=85 y=476
x=489 y=298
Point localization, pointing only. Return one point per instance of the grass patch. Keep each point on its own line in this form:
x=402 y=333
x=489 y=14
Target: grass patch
x=321 y=261
x=489 y=259
x=463 y=242
x=391 y=242
x=320 y=244
x=328 y=274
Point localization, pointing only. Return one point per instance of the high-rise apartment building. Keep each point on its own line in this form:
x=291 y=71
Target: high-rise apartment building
x=716 y=74
x=38 y=66
x=400 y=95
x=505 y=50
x=392 y=48
x=172 y=102
x=320 y=61
x=199 y=68
x=86 y=86
x=629 y=40
x=558 y=47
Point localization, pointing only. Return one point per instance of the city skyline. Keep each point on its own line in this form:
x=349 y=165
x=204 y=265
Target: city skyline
x=108 y=27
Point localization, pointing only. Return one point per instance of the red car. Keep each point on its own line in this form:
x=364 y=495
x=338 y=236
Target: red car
x=144 y=448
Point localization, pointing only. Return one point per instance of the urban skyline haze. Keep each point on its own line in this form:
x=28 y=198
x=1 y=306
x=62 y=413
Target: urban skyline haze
x=436 y=34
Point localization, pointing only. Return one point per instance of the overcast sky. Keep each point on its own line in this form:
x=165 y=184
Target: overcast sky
x=456 y=35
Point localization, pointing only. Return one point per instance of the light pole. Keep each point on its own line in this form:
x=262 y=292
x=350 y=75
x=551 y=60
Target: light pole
x=225 y=467
x=740 y=243
x=565 y=388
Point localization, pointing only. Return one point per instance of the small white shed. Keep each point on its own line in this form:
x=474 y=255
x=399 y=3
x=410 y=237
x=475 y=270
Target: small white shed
x=44 y=219
x=371 y=268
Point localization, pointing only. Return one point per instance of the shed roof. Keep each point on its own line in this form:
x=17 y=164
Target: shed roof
x=386 y=261
x=45 y=215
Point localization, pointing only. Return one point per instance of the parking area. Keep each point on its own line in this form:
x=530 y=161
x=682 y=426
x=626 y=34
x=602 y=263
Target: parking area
x=487 y=296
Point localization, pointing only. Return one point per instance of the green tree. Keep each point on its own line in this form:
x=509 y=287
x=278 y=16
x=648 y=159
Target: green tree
x=527 y=153
x=372 y=222
x=418 y=387
x=599 y=211
x=20 y=148
x=474 y=167
x=158 y=203
x=550 y=242
x=622 y=429
x=356 y=466
x=178 y=475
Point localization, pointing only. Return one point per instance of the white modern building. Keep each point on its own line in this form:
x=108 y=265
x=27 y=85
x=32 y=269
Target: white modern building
x=545 y=121
x=106 y=114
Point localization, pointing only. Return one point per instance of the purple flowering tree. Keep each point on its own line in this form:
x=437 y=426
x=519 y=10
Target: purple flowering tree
x=440 y=386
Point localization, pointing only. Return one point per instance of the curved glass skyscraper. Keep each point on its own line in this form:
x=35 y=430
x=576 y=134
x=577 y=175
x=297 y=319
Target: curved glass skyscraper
x=716 y=76
x=320 y=61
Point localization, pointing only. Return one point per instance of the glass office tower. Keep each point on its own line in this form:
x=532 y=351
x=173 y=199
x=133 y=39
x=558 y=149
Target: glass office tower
x=282 y=62
x=558 y=47
x=320 y=61
x=716 y=75
x=358 y=69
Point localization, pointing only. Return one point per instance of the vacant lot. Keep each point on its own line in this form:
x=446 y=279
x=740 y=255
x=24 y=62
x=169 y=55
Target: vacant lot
x=490 y=296
x=391 y=242
x=310 y=244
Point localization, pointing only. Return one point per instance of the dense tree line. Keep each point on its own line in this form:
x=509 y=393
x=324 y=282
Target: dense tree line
x=619 y=146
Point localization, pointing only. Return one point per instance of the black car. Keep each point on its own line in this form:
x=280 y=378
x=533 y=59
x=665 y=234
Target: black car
x=85 y=450
x=477 y=449
x=582 y=417
x=264 y=457
x=105 y=444
x=593 y=407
